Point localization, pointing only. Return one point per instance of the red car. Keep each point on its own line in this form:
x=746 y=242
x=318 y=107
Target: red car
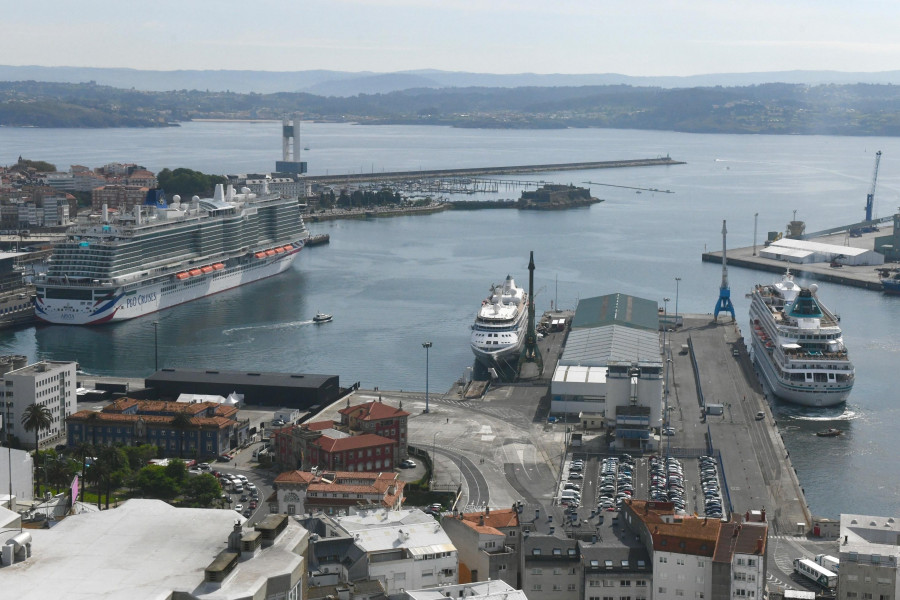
x=253 y=504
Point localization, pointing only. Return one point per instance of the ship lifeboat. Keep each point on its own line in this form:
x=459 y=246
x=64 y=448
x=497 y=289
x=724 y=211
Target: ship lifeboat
x=218 y=266
x=260 y=255
x=207 y=269
x=279 y=250
x=182 y=275
x=195 y=272
x=270 y=253
x=288 y=248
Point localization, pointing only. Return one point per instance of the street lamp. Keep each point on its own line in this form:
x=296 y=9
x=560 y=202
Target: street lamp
x=433 y=459
x=677 y=281
x=156 y=345
x=426 y=345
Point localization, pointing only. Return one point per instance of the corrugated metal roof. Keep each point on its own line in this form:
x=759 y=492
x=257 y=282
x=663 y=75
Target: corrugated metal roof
x=619 y=309
x=613 y=344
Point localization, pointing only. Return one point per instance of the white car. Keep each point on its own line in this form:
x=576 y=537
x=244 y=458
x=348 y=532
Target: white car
x=239 y=507
x=408 y=464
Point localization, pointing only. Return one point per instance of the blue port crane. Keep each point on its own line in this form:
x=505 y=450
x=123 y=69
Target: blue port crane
x=724 y=303
x=870 y=197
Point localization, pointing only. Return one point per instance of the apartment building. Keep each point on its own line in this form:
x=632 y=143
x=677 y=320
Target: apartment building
x=869 y=558
x=47 y=383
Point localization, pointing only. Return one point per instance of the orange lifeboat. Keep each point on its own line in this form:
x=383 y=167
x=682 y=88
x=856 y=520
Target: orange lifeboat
x=207 y=269
x=182 y=275
x=260 y=255
x=288 y=248
x=218 y=266
x=279 y=250
x=270 y=253
x=195 y=272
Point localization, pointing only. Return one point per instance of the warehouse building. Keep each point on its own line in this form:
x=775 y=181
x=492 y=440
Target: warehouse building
x=287 y=390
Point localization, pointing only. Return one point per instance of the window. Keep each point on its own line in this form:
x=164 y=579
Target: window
x=679 y=561
x=624 y=583
x=501 y=567
x=571 y=587
x=608 y=583
x=662 y=590
x=557 y=587
x=536 y=571
x=536 y=587
x=663 y=559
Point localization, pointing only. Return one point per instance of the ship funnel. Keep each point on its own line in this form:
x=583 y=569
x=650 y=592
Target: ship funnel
x=105 y=213
x=220 y=193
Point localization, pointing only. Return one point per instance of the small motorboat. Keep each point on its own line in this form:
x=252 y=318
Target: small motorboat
x=321 y=318
x=830 y=432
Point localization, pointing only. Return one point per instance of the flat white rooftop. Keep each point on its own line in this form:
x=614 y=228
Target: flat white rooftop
x=143 y=550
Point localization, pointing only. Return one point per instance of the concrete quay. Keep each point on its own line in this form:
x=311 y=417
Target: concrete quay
x=865 y=276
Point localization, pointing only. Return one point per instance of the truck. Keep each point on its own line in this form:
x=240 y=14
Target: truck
x=828 y=561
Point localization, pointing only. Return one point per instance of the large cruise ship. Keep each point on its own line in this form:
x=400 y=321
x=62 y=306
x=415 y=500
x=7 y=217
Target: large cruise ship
x=499 y=330
x=797 y=345
x=116 y=267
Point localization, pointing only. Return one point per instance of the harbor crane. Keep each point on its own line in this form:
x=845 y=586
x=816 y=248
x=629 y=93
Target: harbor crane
x=870 y=197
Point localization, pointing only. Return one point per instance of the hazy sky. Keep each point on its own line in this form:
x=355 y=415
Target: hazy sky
x=652 y=37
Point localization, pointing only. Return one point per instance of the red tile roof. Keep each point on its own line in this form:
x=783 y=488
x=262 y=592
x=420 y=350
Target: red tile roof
x=680 y=534
x=506 y=517
x=318 y=425
x=356 y=442
x=374 y=411
x=740 y=538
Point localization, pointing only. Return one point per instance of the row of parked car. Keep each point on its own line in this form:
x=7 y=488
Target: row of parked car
x=616 y=482
x=239 y=484
x=667 y=481
x=709 y=480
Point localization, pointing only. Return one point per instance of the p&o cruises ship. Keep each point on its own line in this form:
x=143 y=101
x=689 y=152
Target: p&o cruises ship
x=499 y=330
x=111 y=268
x=797 y=345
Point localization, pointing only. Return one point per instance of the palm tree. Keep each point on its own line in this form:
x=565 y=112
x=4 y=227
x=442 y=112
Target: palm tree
x=84 y=450
x=181 y=422
x=35 y=418
x=110 y=462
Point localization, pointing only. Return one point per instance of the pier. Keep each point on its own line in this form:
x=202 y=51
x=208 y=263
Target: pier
x=862 y=276
x=395 y=176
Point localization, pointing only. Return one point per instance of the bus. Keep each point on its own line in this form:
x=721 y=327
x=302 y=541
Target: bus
x=816 y=573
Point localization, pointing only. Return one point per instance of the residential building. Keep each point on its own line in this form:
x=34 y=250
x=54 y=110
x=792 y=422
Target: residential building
x=47 y=383
x=147 y=549
x=336 y=450
x=616 y=570
x=612 y=368
x=489 y=544
x=213 y=427
x=403 y=549
x=378 y=418
x=484 y=590
x=552 y=568
x=696 y=557
x=869 y=557
x=361 y=590
x=122 y=198
x=334 y=492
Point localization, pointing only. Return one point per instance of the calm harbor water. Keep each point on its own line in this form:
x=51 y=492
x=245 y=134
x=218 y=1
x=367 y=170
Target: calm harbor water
x=393 y=284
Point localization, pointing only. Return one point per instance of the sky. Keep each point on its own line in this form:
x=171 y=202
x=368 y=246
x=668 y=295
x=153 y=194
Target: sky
x=652 y=37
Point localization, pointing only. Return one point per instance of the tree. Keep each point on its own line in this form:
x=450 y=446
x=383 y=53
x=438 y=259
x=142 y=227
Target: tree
x=83 y=450
x=139 y=456
x=202 y=490
x=153 y=482
x=35 y=418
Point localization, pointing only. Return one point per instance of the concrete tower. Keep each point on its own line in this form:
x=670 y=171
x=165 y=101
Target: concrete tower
x=290 y=147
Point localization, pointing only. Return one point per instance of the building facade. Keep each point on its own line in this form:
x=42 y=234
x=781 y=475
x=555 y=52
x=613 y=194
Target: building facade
x=47 y=383
x=210 y=429
x=869 y=558
x=378 y=418
x=338 y=492
x=552 y=568
x=489 y=543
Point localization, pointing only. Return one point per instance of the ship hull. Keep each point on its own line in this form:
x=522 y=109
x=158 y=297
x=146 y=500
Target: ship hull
x=797 y=394
x=159 y=294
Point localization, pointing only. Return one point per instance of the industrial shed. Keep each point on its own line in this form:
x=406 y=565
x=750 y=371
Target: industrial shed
x=288 y=390
x=805 y=251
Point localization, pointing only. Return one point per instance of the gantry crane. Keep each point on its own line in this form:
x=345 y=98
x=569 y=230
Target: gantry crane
x=870 y=197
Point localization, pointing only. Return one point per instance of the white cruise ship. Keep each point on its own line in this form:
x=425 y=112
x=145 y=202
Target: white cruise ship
x=116 y=267
x=797 y=345
x=500 y=326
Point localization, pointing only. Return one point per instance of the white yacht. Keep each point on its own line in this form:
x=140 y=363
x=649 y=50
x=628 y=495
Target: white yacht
x=797 y=345
x=500 y=326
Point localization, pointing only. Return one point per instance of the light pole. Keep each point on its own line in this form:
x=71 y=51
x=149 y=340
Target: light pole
x=156 y=345
x=755 y=217
x=426 y=345
x=677 y=281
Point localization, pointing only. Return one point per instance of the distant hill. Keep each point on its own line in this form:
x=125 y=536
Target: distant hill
x=346 y=84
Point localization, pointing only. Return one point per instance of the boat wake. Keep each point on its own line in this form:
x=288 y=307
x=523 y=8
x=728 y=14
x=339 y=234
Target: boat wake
x=847 y=415
x=272 y=327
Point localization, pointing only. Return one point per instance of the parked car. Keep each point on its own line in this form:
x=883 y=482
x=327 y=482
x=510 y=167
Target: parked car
x=408 y=464
x=760 y=416
x=239 y=507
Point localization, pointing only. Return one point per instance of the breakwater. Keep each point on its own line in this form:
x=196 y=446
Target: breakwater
x=478 y=171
